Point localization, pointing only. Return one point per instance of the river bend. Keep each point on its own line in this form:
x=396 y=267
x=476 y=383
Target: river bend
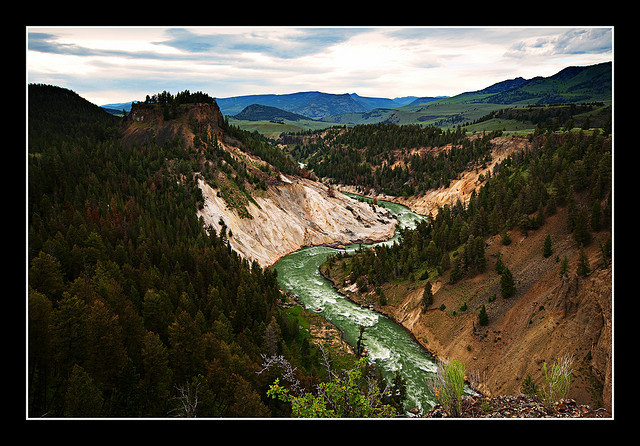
x=390 y=346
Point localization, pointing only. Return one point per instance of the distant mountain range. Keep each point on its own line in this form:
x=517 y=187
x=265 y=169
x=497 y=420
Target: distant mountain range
x=570 y=85
x=312 y=104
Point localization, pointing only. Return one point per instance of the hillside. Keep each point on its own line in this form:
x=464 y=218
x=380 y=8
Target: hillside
x=122 y=312
x=253 y=191
x=550 y=315
x=257 y=112
x=572 y=84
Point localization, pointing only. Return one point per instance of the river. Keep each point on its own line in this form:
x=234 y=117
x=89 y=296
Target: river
x=390 y=346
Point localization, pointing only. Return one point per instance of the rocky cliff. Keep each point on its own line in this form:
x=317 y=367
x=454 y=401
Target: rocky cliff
x=147 y=122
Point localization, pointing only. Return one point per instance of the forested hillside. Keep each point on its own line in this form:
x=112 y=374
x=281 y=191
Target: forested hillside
x=388 y=157
x=572 y=170
x=134 y=310
x=517 y=271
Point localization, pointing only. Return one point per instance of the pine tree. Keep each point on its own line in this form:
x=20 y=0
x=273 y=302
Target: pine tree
x=546 y=250
x=445 y=261
x=581 y=232
x=596 y=214
x=564 y=267
x=83 y=397
x=583 y=264
x=506 y=240
x=456 y=272
x=483 y=317
x=427 y=297
x=499 y=265
x=507 y=285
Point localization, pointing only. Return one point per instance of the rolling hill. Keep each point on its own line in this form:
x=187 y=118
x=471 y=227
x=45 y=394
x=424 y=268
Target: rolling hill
x=257 y=112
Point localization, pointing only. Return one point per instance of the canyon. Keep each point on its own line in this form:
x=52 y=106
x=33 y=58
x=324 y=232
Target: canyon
x=549 y=316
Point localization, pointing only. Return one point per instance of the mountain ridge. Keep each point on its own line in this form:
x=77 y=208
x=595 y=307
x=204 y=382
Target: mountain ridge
x=572 y=84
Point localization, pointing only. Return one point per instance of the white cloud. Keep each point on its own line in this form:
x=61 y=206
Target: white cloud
x=229 y=61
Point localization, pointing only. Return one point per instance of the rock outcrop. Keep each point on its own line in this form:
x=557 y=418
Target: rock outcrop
x=147 y=122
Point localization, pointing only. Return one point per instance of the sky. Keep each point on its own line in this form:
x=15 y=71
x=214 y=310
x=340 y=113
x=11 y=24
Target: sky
x=119 y=64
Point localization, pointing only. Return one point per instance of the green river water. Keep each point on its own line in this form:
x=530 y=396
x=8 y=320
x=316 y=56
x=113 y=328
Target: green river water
x=390 y=346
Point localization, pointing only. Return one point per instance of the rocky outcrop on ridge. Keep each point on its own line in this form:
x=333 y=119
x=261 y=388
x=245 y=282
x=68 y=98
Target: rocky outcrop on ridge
x=291 y=213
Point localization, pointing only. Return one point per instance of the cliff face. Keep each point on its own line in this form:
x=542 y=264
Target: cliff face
x=296 y=213
x=147 y=122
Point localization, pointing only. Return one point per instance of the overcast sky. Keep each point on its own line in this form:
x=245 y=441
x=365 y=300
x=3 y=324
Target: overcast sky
x=109 y=65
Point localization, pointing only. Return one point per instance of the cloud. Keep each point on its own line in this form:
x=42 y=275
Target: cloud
x=231 y=61
x=569 y=42
x=281 y=43
x=47 y=43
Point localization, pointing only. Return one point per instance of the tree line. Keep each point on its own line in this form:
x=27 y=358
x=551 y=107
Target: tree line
x=182 y=97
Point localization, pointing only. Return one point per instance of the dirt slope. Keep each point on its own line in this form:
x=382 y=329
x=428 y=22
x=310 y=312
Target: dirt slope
x=547 y=318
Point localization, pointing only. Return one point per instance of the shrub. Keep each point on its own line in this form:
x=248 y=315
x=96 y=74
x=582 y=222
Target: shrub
x=448 y=386
x=528 y=386
x=556 y=380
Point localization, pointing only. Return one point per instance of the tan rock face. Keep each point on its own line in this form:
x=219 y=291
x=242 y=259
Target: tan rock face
x=295 y=214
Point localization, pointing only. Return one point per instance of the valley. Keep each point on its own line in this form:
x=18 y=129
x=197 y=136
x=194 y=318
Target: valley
x=160 y=237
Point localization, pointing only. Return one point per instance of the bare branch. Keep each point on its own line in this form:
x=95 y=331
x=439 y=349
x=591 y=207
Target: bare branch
x=289 y=371
x=188 y=397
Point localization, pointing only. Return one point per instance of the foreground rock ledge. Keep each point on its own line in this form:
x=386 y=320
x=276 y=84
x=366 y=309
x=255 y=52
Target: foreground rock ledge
x=520 y=406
